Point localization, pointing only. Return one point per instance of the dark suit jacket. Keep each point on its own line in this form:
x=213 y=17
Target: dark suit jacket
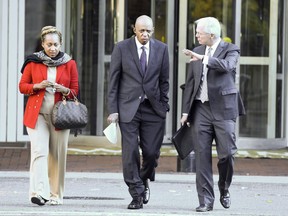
x=127 y=85
x=225 y=100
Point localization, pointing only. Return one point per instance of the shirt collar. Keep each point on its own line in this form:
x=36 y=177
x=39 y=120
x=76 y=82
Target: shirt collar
x=214 y=46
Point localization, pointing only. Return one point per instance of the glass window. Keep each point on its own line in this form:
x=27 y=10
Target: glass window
x=135 y=8
x=88 y=24
x=254 y=79
x=160 y=20
x=254 y=92
x=37 y=15
x=86 y=47
x=279 y=96
x=110 y=27
x=255 y=28
x=222 y=10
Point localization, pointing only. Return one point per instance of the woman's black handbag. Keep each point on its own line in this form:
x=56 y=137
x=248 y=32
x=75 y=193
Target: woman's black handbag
x=69 y=114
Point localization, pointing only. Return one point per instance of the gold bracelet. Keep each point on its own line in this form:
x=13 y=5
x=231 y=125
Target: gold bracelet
x=66 y=94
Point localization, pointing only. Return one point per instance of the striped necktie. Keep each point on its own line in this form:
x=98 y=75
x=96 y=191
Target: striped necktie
x=143 y=60
x=204 y=87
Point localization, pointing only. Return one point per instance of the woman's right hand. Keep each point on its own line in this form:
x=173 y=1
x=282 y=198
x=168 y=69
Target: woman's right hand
x=42 y=85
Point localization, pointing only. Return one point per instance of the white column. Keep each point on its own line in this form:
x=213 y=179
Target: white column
x=3 y=67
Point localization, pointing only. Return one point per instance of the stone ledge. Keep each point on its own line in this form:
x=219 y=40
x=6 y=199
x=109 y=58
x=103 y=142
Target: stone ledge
x=85 y=145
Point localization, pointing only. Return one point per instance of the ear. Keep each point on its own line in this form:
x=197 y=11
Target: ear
x=134 y=30
x=42 y=44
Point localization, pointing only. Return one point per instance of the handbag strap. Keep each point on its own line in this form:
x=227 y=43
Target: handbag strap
x=74 y=95
x=76 y=130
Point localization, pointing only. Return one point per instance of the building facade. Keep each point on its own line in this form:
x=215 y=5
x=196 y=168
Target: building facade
x=91 y=28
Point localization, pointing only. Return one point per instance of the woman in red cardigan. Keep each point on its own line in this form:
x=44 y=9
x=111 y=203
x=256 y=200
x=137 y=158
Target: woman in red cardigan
x=47 y=76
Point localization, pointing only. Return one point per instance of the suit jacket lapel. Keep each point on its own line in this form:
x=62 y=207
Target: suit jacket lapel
x=152 y=56
x=201 y=52
x=198 y=70
x=219 y=49
x=134 y=52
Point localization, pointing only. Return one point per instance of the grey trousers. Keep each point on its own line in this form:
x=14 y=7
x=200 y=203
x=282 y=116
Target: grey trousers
x=205 y=129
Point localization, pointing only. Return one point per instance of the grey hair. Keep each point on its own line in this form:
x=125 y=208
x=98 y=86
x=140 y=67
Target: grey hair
x=144 y=18
x=210 y=25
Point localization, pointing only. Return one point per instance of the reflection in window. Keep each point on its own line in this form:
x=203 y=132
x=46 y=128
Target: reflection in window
x=135 y=8
x=278 y=129
x=222 y=10
x=37 y=15
x=160 y=20
x=87 y=28
x=254 y=91
x=110 y=27
x=255 y=28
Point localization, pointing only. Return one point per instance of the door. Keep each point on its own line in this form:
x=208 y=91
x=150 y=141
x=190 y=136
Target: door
x=94 y=27
x=254 y=26
x=260 y=80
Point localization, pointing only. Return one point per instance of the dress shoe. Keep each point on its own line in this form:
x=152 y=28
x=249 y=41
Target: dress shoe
x=146 y=193
x=204 y=208
x=136 y=203
x=38 y=200
x=225 y=199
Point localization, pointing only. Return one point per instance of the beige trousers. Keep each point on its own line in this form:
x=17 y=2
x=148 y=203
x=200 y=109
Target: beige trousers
x=48 y=159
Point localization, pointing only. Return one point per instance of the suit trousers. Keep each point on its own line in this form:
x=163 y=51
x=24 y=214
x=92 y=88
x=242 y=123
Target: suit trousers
x=48 y=159
x=205 y=128
x=146 y=130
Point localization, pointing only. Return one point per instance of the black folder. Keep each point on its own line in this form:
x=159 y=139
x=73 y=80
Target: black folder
x=182 y=141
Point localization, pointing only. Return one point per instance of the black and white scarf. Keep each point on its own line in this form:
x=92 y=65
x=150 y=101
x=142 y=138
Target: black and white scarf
x=41 y=57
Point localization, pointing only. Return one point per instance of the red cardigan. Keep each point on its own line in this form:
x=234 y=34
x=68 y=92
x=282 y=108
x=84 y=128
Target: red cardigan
x=67 y=75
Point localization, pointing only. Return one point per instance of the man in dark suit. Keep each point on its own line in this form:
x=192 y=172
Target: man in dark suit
x=211 y=104
x=138 y=99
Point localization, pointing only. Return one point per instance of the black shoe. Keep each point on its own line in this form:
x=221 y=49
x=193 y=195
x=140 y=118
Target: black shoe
x=146 y=193
x=38 y=200
x=136 y=203
x=204 y=208
x=225 y=199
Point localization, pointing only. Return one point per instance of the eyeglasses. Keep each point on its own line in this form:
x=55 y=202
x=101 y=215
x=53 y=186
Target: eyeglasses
x=201 y=33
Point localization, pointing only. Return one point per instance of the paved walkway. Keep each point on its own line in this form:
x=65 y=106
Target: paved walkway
x=94 y=186
x=105 y=194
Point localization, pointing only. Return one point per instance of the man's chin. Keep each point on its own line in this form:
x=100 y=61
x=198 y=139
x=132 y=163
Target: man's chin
x=144 y=41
